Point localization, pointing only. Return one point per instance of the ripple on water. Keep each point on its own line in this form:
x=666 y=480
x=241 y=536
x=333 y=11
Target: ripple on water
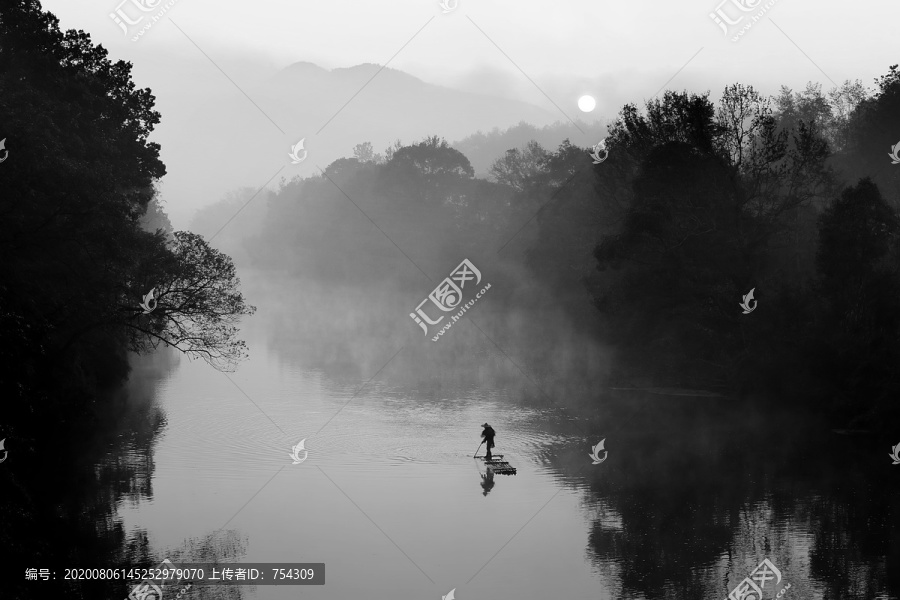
x=376 y=434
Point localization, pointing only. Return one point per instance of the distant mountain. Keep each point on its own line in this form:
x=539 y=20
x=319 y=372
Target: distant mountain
x=244 y=140
x=482 y=149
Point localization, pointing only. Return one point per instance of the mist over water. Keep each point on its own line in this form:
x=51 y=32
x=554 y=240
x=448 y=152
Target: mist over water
x=692 y=489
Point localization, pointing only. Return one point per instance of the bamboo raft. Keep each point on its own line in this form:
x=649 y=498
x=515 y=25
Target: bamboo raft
x=498 y=466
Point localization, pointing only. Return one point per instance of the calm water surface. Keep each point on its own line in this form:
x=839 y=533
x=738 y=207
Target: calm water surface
x=693 y=495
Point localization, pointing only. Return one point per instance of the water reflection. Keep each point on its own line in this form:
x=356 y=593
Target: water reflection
x=112 y=472
x=696 y=497
x=694 y=494
x=487 y=482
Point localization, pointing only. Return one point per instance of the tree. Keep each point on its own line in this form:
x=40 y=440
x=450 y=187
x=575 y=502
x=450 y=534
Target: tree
x=74 y=209
x=197 y=304
x=343 y=169
x=858 y=231
x=432 y=157
x=521 y=169
x=714 y=196
x=363 y=152
x=156 y=218
x=781 y=161
x=810 y=106
x=828 y=113
x=483 y=148
x=431 y=171
x=844 y=100
x=871 y=133
x=390 y=150
x=742 y=117
x=680 y=248
x=569 y=212
x=677 y=117
x=859 y=280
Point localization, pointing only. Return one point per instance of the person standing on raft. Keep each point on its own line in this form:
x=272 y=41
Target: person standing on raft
x=488 y=435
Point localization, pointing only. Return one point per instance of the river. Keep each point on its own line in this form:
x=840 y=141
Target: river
x=693 y=494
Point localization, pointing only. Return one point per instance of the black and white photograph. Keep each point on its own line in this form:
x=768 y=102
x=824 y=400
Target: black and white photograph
x=449 y=300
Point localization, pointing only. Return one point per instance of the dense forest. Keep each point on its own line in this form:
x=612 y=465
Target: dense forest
x=794 y=196
x=84 y=241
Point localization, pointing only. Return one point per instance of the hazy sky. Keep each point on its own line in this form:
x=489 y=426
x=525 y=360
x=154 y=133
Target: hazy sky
x=616 y=51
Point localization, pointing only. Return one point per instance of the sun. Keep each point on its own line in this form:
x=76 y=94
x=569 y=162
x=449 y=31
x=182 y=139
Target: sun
x=587 y=103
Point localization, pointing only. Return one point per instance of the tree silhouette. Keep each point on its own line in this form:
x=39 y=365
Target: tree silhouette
x=521 y=169
x=430 y=170
x=859 y=280
x=715 y=194
x=872 y=132
x=75 y=213
x=363 y=152
x=432 y=157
